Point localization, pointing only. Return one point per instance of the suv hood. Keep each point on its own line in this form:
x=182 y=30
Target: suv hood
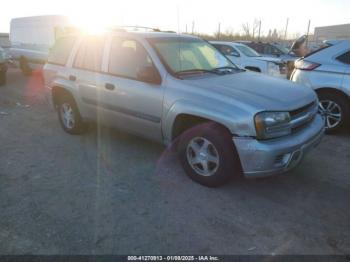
x=255 y=91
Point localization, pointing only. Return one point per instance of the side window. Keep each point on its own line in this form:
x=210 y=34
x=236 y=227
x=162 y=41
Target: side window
x=127 y=57
x=90 y=54
x=345 y=58
x=60 y=52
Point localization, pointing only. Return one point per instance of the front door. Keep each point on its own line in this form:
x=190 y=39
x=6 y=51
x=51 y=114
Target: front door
x=132 y=103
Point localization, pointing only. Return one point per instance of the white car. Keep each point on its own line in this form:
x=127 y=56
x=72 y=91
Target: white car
x=327 y=71
x=246 y=57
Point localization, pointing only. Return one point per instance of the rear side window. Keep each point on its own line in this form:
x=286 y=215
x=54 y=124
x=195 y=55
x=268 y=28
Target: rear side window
x=60 y=52
x=345 y=58
x=89 y=56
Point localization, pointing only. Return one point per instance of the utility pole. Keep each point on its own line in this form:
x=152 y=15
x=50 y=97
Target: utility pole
x=259 y=30
x=307 y=34
x=285 y=32
x=186 y=28
x=219 y=31
x=192 y=27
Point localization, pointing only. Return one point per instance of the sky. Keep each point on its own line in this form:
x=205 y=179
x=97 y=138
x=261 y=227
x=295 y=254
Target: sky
x=176 y=14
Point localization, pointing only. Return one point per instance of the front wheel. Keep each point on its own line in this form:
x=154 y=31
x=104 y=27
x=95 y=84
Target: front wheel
x=335 y=110
x=208 y=155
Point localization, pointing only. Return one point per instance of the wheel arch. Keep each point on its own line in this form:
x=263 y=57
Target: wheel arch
x=59 y=91
x=333 y=90
x=184 y=121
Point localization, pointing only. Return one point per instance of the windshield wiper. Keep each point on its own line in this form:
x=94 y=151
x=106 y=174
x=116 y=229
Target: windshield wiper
x=228 y=67
x=195 y=71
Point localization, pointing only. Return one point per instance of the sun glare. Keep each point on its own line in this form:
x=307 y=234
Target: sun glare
x=91 y=26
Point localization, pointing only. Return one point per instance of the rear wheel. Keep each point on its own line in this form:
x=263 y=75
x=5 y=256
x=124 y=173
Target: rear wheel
x=208 y=155
x=335 y=110
x=2 y=78
x=69 y=116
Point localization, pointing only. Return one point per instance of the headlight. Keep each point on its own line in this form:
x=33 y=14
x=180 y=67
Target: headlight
x=273 y=69
x=272 y=124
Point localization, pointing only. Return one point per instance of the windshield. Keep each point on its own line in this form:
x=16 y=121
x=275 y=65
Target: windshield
x=186 y=54
x=247 y=51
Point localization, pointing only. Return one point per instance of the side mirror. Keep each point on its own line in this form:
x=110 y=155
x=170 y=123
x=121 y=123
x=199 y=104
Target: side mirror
x=149 y=74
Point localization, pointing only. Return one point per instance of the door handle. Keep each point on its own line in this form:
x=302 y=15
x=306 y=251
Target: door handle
x=109 y=86
x=72 y=78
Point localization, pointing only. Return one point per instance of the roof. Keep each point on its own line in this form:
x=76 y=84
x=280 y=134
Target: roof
x=335 y=42
x=153 y=34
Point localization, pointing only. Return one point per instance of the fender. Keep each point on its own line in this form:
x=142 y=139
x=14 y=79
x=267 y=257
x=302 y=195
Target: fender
x=226 y=119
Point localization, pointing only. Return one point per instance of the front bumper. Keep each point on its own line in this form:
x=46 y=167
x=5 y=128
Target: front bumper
x=270 y=157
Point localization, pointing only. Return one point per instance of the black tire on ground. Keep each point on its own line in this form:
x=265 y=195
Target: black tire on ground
x=344 y=105
x=2 y=78
x=78 y=127
x=24 y=66
x=229 y=164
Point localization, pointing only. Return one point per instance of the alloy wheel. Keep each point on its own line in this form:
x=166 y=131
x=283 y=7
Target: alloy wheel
x=67 y=116
x=202 y=156
x=331 y=112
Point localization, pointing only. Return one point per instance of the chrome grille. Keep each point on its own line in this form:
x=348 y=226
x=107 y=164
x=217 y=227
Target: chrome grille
x=301 y=117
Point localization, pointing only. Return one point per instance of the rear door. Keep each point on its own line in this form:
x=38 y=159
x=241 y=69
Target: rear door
x=86 y=74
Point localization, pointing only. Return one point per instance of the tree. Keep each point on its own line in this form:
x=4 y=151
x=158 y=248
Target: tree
x=246 y=29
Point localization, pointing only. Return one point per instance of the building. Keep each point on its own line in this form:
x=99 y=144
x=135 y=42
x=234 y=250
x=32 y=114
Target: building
x=332 y=32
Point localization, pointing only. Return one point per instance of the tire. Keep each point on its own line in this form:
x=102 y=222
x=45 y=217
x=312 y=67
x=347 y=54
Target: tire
x=24 y=66
x=217 y=145
x=331 y=105
x=72 y=122
x=2 y=78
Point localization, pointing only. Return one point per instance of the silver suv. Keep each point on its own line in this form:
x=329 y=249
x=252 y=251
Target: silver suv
x=171 y=88
x=327 y=71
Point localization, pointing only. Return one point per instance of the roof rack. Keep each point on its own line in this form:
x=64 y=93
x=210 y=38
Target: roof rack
x=138 y=28
x=134 y=28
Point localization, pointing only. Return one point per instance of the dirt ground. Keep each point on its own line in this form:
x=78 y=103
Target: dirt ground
x=108 y=192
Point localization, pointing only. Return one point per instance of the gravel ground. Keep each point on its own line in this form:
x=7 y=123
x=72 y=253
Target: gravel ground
x=108 y=192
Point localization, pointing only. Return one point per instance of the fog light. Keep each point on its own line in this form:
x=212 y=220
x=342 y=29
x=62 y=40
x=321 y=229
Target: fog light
x=282 y=160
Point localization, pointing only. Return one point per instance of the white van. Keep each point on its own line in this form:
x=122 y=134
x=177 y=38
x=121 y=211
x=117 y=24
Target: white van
x=32 y=37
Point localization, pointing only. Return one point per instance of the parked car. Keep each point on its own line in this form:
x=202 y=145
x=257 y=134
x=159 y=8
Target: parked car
x=3 y=66
x=178 y=89
x=275 y=50
x=246 y=57
x=327 y=71
x=32 y=37
x=272 y=50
